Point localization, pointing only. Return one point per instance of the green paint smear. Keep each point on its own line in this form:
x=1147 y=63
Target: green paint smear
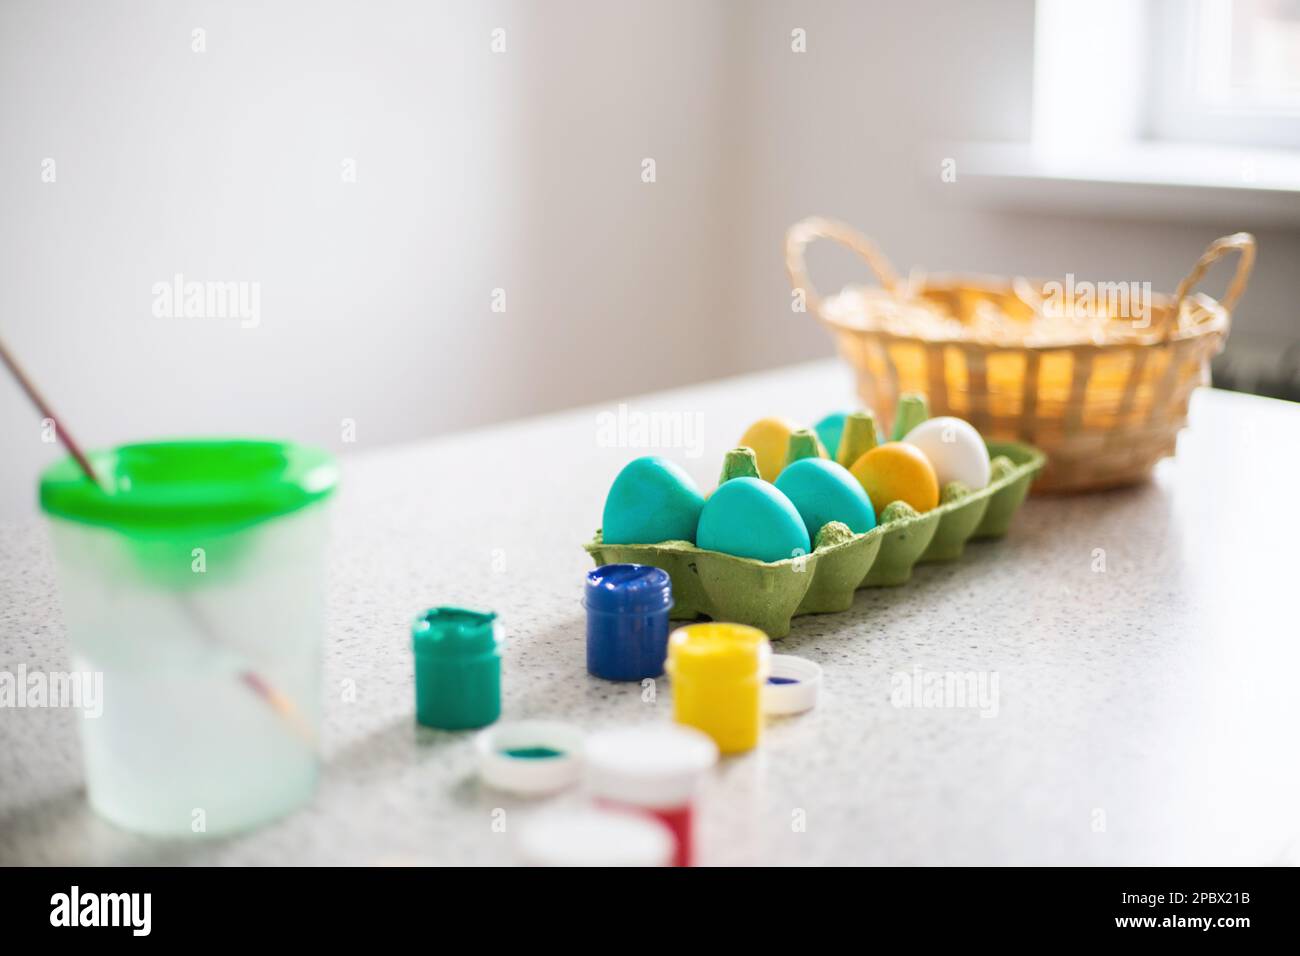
x=533 y=753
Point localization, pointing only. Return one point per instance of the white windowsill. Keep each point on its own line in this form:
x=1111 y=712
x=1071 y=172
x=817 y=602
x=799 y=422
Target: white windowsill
x=1242 y=188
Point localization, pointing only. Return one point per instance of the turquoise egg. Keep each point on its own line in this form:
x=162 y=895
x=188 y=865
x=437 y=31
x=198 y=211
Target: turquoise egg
x=749 y=518
x=651 y=500
x=829 y=430
x=823 y=491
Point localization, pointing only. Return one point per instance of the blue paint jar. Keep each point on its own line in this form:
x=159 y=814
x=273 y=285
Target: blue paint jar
x=627 y=621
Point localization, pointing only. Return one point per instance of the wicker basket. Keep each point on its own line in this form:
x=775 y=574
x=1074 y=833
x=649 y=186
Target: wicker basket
x=1103 y=393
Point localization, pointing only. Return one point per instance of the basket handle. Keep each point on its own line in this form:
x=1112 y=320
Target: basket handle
x=802 y=233
x=1243 y=243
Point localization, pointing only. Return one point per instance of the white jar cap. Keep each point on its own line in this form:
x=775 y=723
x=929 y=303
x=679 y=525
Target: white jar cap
x=530 y=757
x=656 y=766
x=792 y=685
x=594 y=836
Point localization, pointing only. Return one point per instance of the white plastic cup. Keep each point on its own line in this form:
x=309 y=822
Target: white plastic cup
x=195 y=586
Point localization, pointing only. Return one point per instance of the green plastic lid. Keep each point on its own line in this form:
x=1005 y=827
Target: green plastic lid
x=203 y=483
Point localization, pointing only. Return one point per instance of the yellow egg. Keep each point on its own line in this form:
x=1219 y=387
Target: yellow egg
x=770 y=439
x=895 y=471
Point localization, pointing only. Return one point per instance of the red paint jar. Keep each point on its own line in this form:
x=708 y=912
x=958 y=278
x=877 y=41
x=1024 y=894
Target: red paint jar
x=654 y=768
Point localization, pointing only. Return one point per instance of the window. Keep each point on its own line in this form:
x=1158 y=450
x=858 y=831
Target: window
x=1170 y=109
x=1226 y=72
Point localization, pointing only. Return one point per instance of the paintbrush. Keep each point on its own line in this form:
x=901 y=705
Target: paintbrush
x=283 y=705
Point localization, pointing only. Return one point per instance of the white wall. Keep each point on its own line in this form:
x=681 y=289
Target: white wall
x=477 y=170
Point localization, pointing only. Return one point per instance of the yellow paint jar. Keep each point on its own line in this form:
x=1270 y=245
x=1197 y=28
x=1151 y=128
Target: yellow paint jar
x=718 y=671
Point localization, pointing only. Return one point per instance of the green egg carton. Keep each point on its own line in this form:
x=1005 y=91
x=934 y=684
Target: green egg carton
x=767 y=595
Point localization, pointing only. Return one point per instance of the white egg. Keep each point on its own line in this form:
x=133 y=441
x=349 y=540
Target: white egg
x=954 y=448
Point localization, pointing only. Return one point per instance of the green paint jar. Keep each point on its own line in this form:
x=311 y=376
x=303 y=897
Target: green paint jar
x=457 y=668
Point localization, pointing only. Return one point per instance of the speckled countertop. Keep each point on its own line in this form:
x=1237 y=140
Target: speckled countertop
x=1144 y=644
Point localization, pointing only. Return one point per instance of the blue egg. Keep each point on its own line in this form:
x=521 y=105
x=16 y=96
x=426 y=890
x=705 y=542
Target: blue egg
x=651 y=500
x=750 y=518
x=824 y=491
x=829 y=430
